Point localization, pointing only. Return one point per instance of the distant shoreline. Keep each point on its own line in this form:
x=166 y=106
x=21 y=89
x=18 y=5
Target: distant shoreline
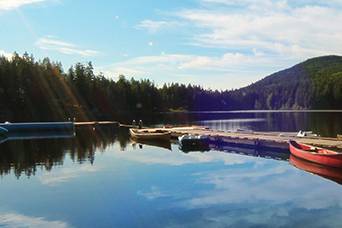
x=257 y=111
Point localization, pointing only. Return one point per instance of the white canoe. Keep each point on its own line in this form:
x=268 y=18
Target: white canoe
x=150 y=134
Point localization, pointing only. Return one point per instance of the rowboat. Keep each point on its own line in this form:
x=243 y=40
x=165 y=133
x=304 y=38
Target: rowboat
x=316 y=154
x=150 y=134
x=331 y=173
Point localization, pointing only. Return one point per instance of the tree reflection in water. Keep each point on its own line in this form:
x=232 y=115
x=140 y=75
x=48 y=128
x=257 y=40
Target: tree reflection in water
x=26 y=156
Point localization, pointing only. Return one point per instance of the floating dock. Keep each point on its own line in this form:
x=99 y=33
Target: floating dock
x=272 y=140
x=15 y=128
x=52 y=126
x=97 y=123
x=38 y=130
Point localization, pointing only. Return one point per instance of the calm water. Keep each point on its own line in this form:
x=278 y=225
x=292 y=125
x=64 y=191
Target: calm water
x=103 y=179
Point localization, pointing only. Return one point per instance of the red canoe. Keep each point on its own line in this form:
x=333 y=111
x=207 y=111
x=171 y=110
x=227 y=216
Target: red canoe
x=316 y=154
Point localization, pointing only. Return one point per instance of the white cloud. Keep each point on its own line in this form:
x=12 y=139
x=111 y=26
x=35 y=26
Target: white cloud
x=263 y=184
x=235 y=69
x=278 y=28
x=13 y=4
x=153 y=193
x=62 y=175
x=6 y=54
x=19 y=220
x=154 y=26
x=53 y=44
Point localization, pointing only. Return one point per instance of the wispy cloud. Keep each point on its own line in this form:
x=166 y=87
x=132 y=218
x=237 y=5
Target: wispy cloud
x=263 y=183
x=13 y=4
x=19 y=220
x=153 y=193
x=154 y=26
x=66 y=174
x=234 y=68
x=281 y=28
x=54 y=44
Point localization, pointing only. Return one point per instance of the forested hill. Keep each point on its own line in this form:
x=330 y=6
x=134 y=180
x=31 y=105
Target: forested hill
x=40 y=90
x=313 y=84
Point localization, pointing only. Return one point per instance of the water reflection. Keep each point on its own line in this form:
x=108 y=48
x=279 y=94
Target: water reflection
x=26 y=155
x=263 y=153
x=330 y=173
x=323 y=123
x=100 y=178
x=156 y=143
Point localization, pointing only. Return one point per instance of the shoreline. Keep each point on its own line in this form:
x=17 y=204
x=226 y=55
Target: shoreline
x=260 y=111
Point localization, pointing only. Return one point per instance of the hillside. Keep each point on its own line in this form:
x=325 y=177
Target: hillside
x=313 y=84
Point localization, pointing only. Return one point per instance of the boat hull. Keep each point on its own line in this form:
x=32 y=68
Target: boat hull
x=331 y=158
x=148 y=135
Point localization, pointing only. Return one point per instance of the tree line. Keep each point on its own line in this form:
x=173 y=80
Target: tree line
x=40 y=90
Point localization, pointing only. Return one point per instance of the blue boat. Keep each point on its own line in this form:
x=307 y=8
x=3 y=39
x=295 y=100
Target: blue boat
x=194 y=143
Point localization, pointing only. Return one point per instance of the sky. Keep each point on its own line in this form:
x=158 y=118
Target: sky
x=218 y=44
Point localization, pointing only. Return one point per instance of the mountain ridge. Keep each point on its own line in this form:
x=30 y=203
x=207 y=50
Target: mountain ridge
x=314 y=83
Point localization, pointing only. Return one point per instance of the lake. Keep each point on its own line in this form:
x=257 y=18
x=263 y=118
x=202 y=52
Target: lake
x=101 y=178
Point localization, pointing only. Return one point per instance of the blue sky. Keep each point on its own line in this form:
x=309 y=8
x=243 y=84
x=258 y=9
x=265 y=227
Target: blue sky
x=219 y=44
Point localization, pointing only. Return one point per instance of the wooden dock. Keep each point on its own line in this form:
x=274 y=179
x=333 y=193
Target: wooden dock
x=274 y=140
x=255 y=139
x=97 y=123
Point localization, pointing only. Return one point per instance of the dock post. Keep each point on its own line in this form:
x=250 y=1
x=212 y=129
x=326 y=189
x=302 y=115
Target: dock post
x=256 y=143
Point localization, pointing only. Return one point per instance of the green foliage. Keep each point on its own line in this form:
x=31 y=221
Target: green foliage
x=33 y=90
x=40 y=91
x=313 y=84
x=326 y=76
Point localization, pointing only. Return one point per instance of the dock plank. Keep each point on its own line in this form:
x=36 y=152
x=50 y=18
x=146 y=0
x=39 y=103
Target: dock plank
x=90 y=123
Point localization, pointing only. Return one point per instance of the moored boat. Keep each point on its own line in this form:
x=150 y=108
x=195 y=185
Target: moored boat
x=150 y=134
x=194 y=143
x=316 y=154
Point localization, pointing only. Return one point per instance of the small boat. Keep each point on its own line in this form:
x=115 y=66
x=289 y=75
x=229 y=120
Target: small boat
x=316 y=154
x=194 y=143
x=150 y=134
x=331 y=173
